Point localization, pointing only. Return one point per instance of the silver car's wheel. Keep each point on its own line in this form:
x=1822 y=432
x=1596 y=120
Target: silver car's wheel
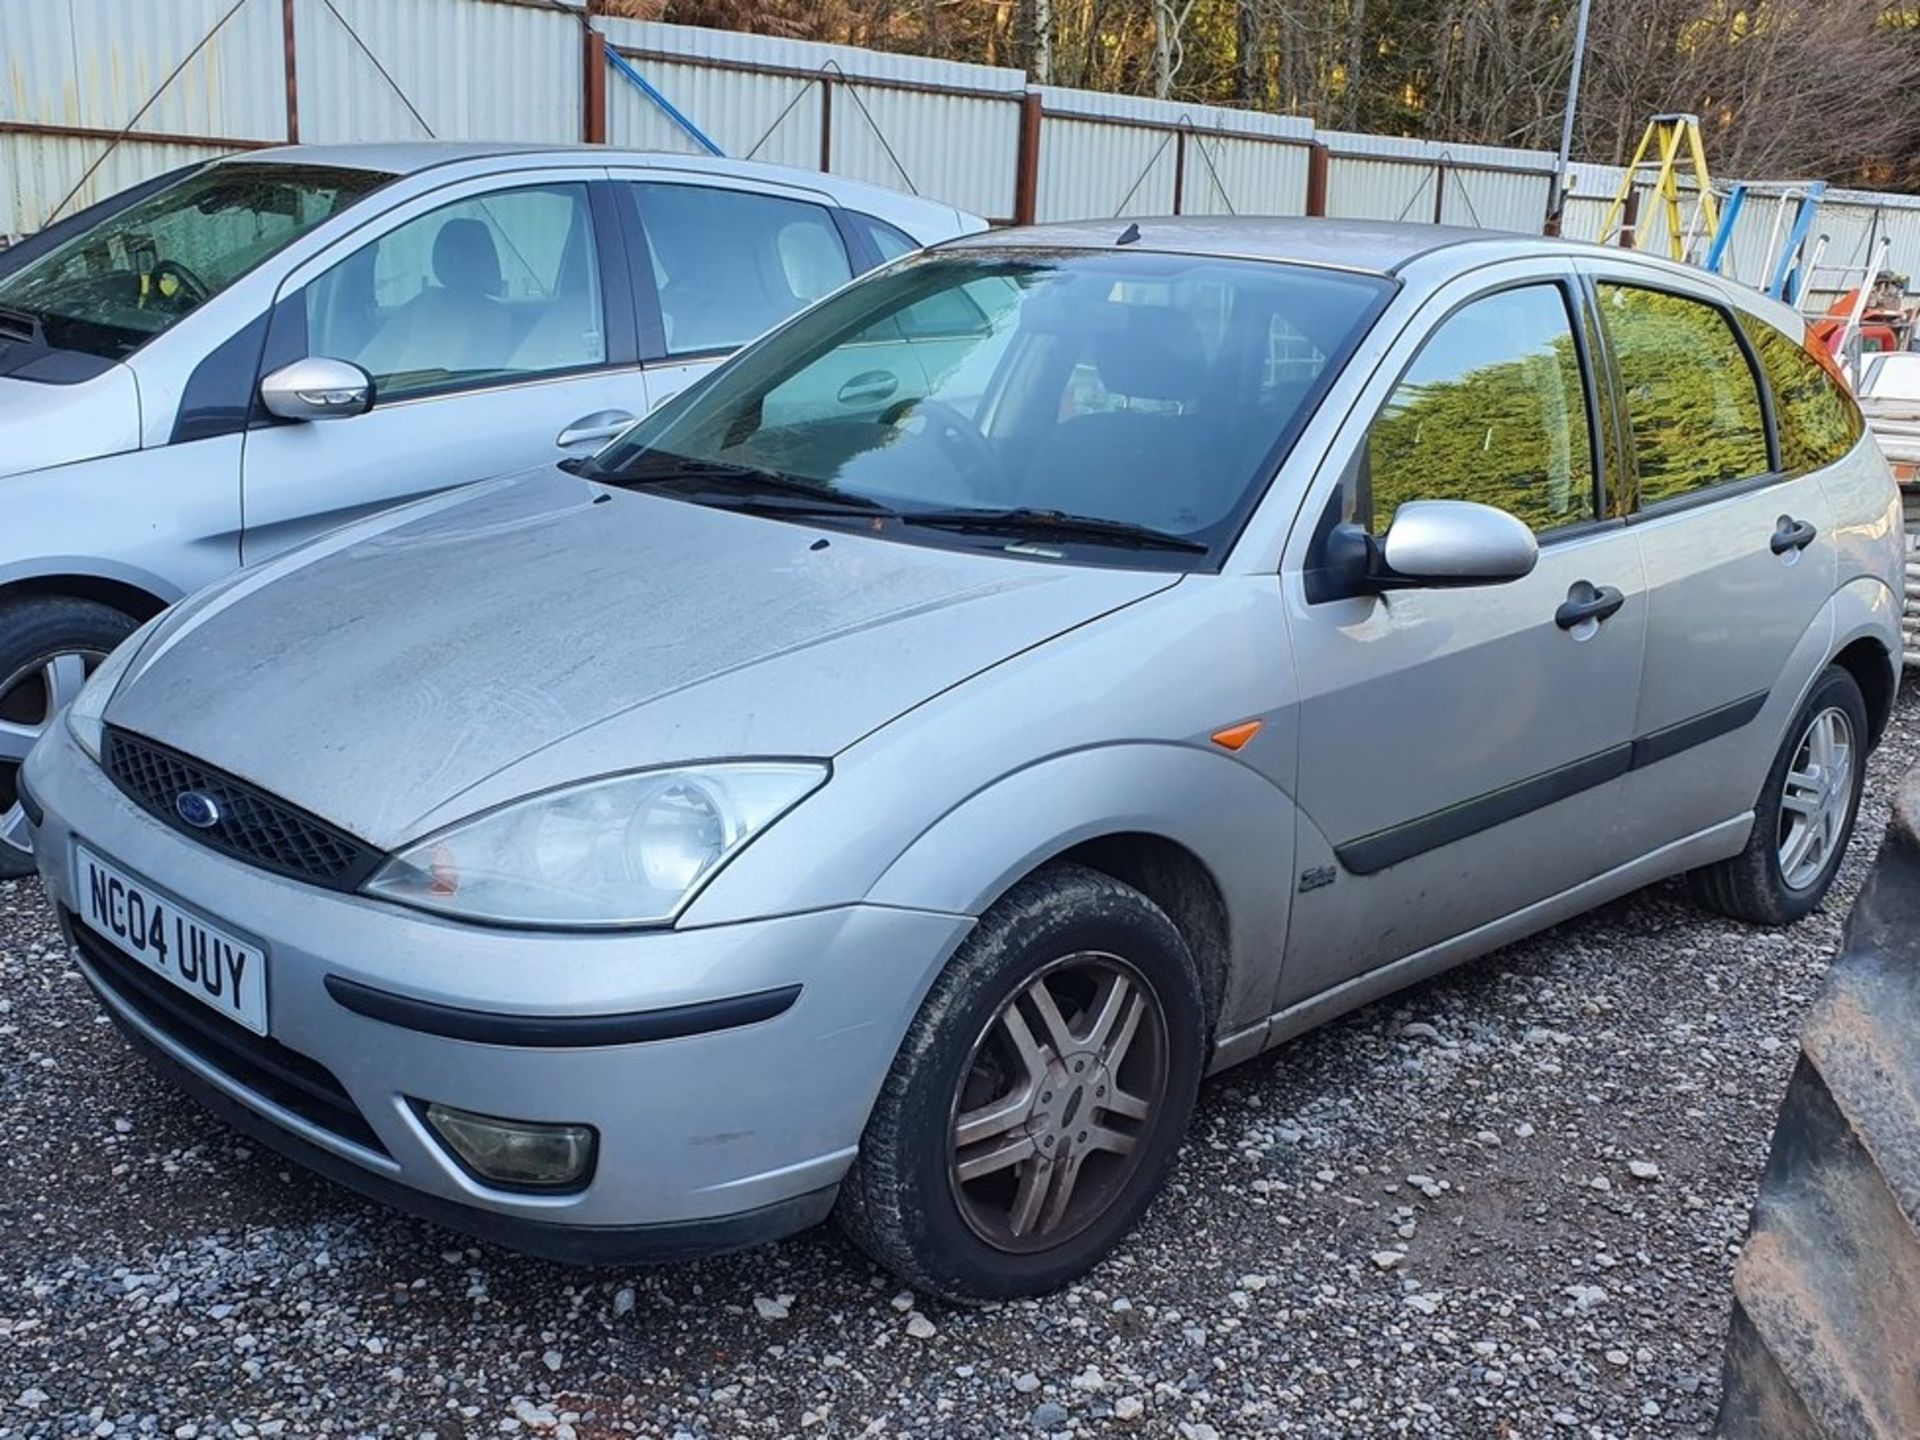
x=49 y=644
x=30 y=697
x=1060 y=1090
x=1817 y=798
x=1803 y=815
x=1039 y=1095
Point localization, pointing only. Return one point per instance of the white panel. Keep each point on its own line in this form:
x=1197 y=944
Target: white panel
x=473 y=69
x=96 y=62
x=775 y=118
x=808 y=57
x=1496 y=199
x=959 y=149
x=37 y=171
x=1232 y=175
x=1373 y=189
x=1090 y=171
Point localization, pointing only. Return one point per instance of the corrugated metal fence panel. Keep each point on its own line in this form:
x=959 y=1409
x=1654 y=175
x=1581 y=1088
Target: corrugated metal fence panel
x=1102 y=155
x=474 y=69
x=1590 y=190
x=1234 y=175
x=735 y=47
x=775 y=118
x=95 y=62
x=1496 y=199
x=1386 y=177
x=956 y=148
x=1371 y=189
x=940 y=128
x=1093 y=169
x=37 y=171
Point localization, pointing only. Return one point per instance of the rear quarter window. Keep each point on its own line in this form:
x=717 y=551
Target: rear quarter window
x=1817 y=420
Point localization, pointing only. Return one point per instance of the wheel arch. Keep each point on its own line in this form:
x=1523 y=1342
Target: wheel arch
x=1206 y=838
x=140 y=598
x=1875 y=671
x=1181 y=884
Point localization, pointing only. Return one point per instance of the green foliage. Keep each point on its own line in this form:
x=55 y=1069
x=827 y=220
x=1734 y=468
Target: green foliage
x=1692 y=404
x=1511 y=433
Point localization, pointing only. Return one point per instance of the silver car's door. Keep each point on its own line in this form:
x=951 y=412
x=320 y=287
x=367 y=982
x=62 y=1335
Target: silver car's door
x=497 y=322
x=1739 y=551
x=718 y=261
x=1460 y=748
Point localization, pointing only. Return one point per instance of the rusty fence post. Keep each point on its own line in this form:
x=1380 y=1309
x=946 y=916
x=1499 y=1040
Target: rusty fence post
x=1179 y=167
x=593 y=125
x=1319 y=162
x=826 y=122
x=1026 y=171
x=1825 y=1338
x=1629 y=220
x=293 y=75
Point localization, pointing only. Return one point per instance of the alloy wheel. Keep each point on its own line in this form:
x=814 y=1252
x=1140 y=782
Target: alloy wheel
x=30 y=698
x=1816 y=798
x=1054 y=1107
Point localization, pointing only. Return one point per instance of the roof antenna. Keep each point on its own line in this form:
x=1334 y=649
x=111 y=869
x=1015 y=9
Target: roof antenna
x=1129 y=235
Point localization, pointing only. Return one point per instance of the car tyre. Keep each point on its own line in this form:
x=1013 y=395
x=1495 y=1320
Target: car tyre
x=1805 y=814
x=1039 y=1098
x=47 y=644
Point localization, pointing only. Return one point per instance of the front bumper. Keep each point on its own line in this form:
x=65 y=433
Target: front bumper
x=708 y=1137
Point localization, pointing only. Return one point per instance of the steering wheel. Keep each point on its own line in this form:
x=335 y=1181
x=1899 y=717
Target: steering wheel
x=969 y=449
x=192 y=286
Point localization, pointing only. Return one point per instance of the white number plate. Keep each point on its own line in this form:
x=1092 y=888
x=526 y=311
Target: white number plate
x=170 y=940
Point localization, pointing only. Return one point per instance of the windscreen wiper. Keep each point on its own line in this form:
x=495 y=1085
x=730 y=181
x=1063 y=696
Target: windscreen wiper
x=753 y=485
x=1025 y=520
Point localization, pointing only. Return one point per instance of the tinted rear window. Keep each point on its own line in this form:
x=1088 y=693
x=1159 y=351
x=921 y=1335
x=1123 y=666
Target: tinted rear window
x=1817 y=421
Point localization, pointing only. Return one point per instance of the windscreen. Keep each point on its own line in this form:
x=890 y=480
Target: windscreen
x=1144 y=389
x=114 y=286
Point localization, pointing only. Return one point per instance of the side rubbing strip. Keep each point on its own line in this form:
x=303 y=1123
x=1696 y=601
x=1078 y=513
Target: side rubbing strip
x=1382 y=848
x=1402 y=842
x=1663 y=744
x=560 y=1031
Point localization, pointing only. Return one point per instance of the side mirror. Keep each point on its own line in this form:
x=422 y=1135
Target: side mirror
x=1455 y=542
x=317 y=389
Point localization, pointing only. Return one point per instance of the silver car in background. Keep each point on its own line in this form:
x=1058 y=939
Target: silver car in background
x=162 y=354
x=1053 y=668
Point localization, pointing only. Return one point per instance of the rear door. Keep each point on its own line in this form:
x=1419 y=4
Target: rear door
x=496 y=318
x=1738 y=544
x=718 y=262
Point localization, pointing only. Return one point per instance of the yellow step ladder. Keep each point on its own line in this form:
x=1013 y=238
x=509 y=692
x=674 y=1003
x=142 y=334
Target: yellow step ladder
x=1670 y=141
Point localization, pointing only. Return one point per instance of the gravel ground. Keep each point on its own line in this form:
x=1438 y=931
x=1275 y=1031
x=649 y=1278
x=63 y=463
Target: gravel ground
x=1505 y=1203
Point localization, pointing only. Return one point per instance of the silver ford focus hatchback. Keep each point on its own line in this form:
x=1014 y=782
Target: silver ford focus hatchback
x=1052 y=668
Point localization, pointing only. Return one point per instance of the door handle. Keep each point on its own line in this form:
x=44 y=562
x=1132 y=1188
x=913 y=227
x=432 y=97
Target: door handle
x=1587 y=601
x=601 y=425
x=1792 y=534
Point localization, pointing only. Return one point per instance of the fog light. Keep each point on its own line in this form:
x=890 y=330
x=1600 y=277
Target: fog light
x=523 y=1153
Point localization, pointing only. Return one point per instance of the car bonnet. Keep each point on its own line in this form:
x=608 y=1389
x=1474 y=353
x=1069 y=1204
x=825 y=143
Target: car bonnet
x=565 y=631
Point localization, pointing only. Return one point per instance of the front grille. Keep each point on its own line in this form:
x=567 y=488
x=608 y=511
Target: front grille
x=252 y=825
x=266 y=1067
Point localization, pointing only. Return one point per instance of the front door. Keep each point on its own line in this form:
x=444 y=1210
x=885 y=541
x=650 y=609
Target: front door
x=1460 y=748
x=496 y=319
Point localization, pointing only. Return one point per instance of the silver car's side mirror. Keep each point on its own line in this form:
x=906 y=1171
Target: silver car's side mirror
x=317 y=389
x=1456 y=542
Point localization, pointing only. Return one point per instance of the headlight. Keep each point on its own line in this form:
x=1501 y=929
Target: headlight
x=86 y=715
x=629 y=850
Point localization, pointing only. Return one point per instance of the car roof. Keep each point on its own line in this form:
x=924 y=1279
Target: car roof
x=413 y=157
x=1377 y=246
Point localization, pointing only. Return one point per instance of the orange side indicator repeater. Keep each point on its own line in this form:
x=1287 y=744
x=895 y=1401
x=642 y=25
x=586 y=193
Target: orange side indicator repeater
x=1236 y=736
